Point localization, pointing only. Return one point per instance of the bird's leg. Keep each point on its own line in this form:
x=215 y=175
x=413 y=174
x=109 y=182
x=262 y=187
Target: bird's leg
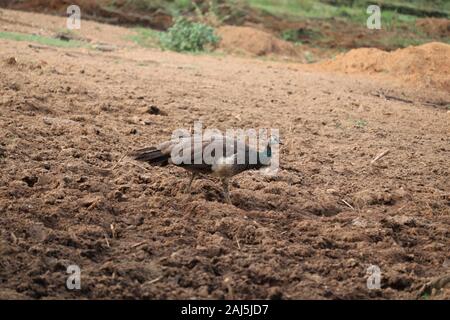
x=225 y=182
x=188 y=189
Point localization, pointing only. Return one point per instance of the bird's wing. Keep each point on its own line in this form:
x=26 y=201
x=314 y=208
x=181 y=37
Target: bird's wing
x=195 y=146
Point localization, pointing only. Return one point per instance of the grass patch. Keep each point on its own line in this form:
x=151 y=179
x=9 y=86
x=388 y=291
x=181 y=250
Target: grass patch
x=173 y=7
x=360 y=123
x=309 y=57
x=41 y=40
x=351 y=10
x=290 y=35
x=324 y=9
x=425 y=296
x=300 y=36
x=146 y=37
x=399 y=29
x=295 y=8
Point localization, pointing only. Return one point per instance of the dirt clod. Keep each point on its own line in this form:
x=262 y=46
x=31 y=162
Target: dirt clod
x=253 y=41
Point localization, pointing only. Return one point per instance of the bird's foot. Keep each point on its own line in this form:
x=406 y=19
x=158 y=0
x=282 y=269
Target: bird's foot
x=226 y=193
x=188 y=188
x=227 y=197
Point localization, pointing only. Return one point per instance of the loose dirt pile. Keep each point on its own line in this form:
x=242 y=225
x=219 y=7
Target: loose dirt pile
x=254 y=42
x=427 y=65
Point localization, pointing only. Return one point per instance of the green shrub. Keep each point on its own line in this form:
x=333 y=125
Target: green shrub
x=290 y=35
x=185 y=35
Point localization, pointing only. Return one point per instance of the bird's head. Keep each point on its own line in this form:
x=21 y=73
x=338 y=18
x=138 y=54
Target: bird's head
x=274 y=140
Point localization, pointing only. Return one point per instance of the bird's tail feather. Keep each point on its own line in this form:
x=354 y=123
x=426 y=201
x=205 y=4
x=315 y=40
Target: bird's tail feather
x=151 y=155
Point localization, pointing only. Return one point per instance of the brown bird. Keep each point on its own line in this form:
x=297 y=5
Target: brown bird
x=216 y=155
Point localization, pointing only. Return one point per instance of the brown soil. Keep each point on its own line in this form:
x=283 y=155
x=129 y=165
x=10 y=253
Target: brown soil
x=254 y=42
x=435 y=26
x=91 y=32
x=122 y=13
x=427 y=65
x=68 y=115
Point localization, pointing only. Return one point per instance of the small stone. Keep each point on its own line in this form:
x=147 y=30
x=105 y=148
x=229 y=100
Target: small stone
x=105 y=47
x=117 y=195
x=30 y=180
x=14 y=86
x=88 y=201
x=156 y=111
x=275 y=293
x=11 y=61
x=332 y=191
x=67 y=180
x=352 y=262
x=359 y=222
x=404 y=220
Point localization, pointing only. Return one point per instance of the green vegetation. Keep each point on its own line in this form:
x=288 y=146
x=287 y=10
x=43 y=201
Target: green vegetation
x=398 y=22
x=41 y=40
x=174 y=7
x=183 y=36
x=309 y=57
x=352 y=9
x=360 y=123
x=290 y=35
x=425 y=296
x=336 y=24
x=295 y=8
x=189 y=36
x=146 y=37
x=293 y=35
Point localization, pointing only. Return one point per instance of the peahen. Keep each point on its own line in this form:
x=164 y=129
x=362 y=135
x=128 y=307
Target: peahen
x=217 y=155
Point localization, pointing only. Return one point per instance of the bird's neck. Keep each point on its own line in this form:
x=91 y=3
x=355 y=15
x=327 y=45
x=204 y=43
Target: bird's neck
x=268 y=151
x=264 y=156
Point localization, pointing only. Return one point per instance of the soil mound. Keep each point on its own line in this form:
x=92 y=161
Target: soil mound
x=253 y=41
x=428 y=64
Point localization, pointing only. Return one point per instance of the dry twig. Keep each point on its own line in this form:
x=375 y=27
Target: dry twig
x=348 y=204
x=379 y=156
